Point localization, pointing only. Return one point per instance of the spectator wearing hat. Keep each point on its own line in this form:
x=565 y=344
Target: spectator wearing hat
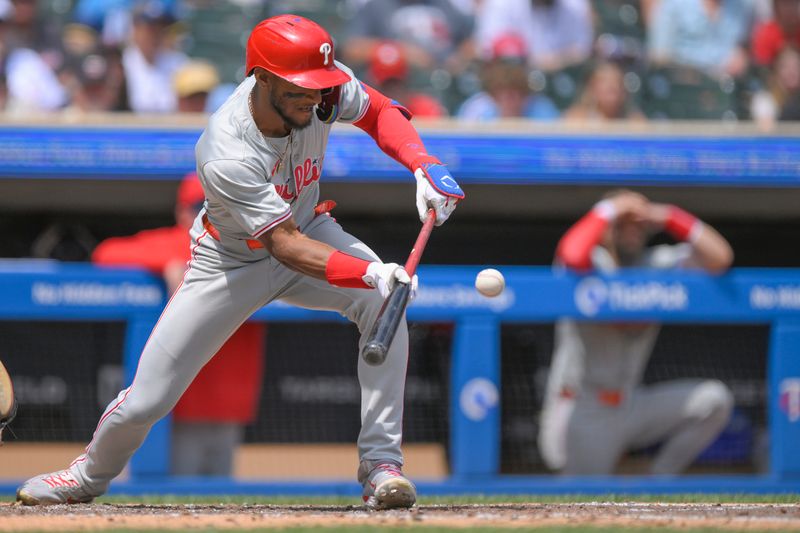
x=771 y=36
x=150 y=64
x=557 y=33
x=112 y=18
x=209 y=419
x=506 y=91
x=96 y=81
x=389 y=72
x=434 y=34
x=193 y=83
x=30 y=29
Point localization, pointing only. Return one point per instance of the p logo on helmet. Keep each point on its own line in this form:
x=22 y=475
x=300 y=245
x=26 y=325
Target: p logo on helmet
x=296 y=49
x=326 y=50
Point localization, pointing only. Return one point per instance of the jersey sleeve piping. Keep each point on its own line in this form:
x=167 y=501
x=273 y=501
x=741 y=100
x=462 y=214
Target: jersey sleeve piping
x=282 y=218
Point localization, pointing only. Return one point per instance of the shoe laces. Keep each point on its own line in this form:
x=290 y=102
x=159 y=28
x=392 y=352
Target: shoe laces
x=63 y=479
x=390 y=469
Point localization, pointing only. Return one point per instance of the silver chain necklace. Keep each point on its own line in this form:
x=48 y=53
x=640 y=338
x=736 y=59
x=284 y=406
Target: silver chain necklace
x=279 y=163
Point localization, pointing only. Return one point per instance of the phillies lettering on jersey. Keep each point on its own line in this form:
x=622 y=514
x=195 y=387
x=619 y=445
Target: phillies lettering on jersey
x=304 y=175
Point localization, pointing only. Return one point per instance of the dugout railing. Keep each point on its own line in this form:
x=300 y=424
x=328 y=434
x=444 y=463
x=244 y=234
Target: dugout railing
x=54 y=291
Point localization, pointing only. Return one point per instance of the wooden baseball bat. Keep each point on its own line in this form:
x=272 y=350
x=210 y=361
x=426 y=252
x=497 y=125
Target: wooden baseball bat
x=383 y=330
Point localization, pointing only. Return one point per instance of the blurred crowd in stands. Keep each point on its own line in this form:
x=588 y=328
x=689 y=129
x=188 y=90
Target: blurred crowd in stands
x=472 y=59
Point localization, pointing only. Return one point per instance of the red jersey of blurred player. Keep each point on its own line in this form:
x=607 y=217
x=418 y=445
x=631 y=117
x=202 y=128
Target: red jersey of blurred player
x=227 y=389
x=388 y=70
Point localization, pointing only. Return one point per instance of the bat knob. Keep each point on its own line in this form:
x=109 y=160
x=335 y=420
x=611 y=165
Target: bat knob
x=374 y=353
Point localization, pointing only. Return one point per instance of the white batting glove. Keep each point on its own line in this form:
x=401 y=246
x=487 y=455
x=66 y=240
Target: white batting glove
x=383 y=276
x=436 y=189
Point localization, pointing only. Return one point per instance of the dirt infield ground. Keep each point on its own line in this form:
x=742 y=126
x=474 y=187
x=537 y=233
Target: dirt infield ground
x=724 y=516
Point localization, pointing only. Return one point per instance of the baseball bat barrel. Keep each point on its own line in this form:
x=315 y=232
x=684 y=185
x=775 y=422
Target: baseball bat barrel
x=385 y=327
x=391 y=312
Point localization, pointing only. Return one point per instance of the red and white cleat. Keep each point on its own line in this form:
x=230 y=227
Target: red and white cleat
x=57 y=487
x=385 y=486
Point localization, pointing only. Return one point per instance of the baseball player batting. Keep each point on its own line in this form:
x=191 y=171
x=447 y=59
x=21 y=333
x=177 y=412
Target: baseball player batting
x=260 y=238
x=595 y=406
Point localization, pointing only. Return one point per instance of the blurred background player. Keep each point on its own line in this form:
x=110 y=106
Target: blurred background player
x=209 y=419
x=596 y=407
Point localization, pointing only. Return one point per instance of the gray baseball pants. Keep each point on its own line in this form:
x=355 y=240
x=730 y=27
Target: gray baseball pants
x=684 y=415
x=225 y=283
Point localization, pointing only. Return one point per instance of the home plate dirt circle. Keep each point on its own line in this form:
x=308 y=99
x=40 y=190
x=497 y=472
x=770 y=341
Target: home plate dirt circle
x=734 y=516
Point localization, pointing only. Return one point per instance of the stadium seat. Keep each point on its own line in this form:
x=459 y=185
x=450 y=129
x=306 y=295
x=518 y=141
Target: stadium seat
x=564 y=86
x=683 y=93
x=619 y=29
x=218 y=32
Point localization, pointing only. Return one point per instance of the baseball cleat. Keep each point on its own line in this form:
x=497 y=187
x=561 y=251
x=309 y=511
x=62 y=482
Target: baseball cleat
x=385 y=487
x=53 y=488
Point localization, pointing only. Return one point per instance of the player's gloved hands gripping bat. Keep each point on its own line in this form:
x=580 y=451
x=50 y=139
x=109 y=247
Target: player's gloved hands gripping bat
x=384 y=277
x=8 y=404
x=437 y=196
x=436 y=189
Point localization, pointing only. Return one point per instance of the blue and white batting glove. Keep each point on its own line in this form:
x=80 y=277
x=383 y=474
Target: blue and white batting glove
x=436 y=189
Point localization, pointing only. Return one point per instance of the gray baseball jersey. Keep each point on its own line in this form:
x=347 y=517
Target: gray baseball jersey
x=609 y=356
x=581 y=434
x=252 y=183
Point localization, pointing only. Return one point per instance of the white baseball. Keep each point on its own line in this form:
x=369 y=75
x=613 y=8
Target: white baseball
x=490 y=282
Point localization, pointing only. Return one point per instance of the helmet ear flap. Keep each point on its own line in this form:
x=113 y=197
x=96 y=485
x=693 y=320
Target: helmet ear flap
x=328 y=108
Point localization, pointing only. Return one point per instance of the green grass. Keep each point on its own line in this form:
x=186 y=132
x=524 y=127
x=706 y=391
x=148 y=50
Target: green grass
x=157 y=499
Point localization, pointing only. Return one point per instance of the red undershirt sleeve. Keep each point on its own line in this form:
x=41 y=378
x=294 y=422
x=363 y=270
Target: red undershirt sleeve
x=388 y=123
x=575 y=247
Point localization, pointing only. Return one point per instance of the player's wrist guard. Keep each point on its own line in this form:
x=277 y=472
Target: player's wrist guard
x=682 y=225
x=439 y=177
x=346 y=271
x=604 y=209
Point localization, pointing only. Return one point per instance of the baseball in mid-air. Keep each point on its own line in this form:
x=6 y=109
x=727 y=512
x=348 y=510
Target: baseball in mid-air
x=490 y=282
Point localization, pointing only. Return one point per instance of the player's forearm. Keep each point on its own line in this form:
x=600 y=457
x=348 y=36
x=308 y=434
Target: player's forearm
x=300 y=253
x=575 y=248
x=710 y=249
x=314 y=258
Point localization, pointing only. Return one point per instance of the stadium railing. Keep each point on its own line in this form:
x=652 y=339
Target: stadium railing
x=55 y=291
x=509 y=152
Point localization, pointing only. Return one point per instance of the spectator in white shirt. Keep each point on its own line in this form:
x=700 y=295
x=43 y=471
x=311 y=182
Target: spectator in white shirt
x=558 y=33
x=150 y=64
x=31 y=85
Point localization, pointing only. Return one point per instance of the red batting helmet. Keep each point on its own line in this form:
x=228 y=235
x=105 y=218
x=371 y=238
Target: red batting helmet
x=295 y=49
